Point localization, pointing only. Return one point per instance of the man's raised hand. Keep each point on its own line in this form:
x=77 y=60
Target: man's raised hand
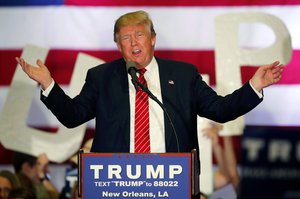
x=39 y=74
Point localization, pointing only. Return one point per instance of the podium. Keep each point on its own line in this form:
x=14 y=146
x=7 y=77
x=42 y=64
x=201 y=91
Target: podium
x=138 y=175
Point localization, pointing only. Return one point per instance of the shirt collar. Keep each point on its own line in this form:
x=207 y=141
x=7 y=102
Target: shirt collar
x=152 y=67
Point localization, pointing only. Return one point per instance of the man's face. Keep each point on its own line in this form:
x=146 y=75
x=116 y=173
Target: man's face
x=136 y=44
x=5 y=187
x=32 y=172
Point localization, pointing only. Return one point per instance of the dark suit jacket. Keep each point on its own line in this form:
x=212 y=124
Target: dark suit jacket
x=105 y=95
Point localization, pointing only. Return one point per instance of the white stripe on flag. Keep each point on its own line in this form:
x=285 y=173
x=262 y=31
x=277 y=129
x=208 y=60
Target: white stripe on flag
x=70 y=27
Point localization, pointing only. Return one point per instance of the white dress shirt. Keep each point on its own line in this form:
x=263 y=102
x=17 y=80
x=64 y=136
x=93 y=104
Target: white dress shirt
x=156 y=115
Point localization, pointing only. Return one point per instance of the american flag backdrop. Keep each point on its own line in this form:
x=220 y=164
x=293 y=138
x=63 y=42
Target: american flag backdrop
x=185 y=31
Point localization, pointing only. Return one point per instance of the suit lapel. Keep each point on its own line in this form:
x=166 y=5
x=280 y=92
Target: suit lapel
x=120 y=91
x=168 y=90
x=121 y=77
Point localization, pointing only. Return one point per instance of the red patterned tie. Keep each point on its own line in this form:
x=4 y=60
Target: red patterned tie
x=142 y=137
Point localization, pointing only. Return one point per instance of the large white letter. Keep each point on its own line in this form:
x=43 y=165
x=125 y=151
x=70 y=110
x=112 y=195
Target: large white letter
x=96 y=169
x=230 y=57
x=14 y=132
x=205 y=152
x=253 y=147
x=137 y=172
x=152 y=173
x=279 y=150
x=114 y=170
x=297 y=151
x=174 y=170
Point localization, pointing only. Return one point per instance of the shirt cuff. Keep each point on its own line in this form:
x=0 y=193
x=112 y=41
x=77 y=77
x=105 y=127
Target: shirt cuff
x=48 y=90
x=259 y=94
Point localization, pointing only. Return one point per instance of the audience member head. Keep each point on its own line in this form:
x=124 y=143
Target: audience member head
x=8 y=181
x=21 y=193
x=27 y=165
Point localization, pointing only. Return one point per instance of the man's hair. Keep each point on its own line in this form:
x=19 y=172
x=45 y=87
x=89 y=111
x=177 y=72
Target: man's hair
x=133 y=18
x=20 y=158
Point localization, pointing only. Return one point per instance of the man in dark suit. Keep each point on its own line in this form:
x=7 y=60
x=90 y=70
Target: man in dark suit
x=108 y=94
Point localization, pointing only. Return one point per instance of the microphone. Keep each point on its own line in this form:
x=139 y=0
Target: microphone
x=131 y=69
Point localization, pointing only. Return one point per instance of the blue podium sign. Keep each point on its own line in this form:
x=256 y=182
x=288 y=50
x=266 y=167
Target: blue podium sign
x=136 y=176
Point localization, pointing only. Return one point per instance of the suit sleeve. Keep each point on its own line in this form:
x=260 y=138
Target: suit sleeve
x=72 y=112
x=223 y=109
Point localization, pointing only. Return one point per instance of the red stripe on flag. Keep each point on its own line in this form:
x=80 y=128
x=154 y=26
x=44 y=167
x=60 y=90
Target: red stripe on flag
x=180 y=3
x=7 y=65
x=61 y=64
